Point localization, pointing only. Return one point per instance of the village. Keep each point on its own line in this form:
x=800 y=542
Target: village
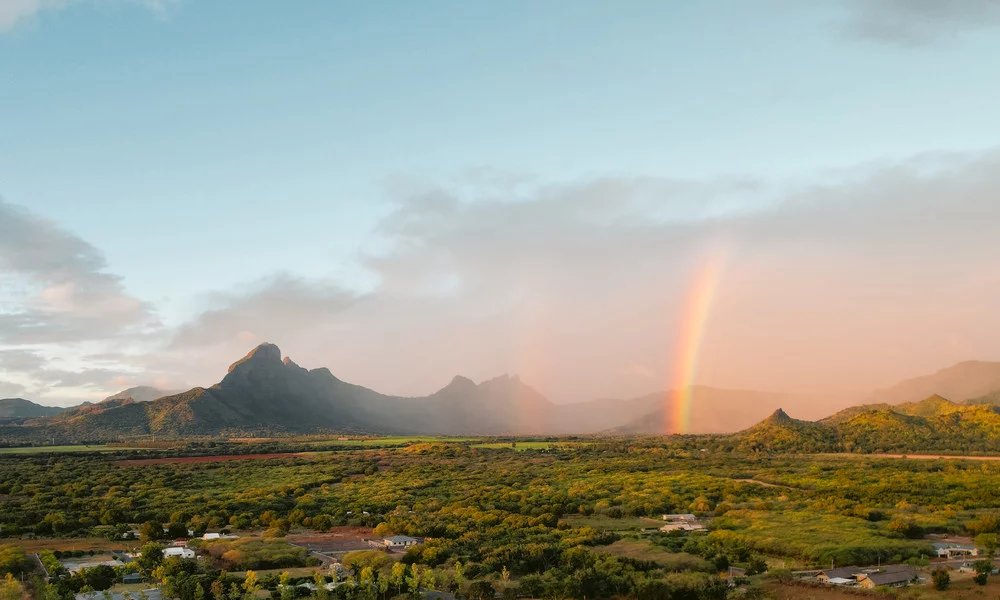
x=324 y=565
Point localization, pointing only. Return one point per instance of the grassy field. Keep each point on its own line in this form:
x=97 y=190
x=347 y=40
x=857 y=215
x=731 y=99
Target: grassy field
x=292 y=572
x=51 y=449
x=962 y=588
x=87 y=543
x=611 y=524
x=389 y=441
x=645 y=550
x=521 y=446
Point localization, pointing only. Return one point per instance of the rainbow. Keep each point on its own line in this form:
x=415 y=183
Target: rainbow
x=694 y=317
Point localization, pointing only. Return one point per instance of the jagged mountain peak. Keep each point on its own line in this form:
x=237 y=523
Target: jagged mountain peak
x=780 y=416
x=266 y=353
x=459 y=383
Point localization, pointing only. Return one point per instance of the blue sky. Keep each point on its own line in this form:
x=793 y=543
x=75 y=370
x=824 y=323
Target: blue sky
x=205 y=148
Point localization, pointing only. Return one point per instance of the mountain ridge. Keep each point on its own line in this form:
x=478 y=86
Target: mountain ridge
x=264 y=392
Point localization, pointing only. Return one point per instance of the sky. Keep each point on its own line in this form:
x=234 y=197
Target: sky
x=403 y=192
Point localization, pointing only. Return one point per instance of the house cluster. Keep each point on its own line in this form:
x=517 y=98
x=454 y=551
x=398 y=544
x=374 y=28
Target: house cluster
x=870 y=577
x=394 y=542
x=150 y=594
x=218 y=536
x=681 y=522
x=954 y=550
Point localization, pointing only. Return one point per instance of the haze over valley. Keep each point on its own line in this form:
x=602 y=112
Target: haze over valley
x=520 y=300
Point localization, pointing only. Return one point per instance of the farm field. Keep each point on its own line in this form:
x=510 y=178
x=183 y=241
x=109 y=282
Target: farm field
x=961 y=588
x=166 y=460
x=606 y=523
x=62 y=449
x=535 y=524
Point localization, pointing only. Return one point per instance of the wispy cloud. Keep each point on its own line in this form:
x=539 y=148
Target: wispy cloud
x=15 y=12
x=856 y=279
x=919 y=22
x=57 y=286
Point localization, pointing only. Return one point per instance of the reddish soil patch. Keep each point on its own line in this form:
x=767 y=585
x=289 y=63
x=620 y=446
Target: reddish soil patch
x=137 y=462
x=338 y=539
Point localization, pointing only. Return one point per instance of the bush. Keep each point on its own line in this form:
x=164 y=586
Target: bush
x=941 y=578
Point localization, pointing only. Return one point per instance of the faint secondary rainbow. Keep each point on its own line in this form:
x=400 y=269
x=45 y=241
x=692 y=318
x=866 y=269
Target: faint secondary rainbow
x=694 y=317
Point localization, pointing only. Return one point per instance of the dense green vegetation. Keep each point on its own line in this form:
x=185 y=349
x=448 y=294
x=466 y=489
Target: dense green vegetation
x=563 y=521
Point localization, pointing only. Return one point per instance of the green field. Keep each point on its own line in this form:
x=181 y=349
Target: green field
x=53 y=449
x=521 y=446
x=578 y=521
x=606 y=523
x=387 y=442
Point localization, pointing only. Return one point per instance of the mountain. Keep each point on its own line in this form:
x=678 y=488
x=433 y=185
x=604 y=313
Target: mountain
x=265 y=393
x=781 y=433
x=964 y=381
x=713 y=410
x=935 y=424
x=141 y=393
x=19 y=408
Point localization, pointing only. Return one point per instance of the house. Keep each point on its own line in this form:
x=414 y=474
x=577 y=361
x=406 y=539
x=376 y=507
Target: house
x=132 y=578
x=840 y=575
x=399 y=541
x=211 y=536
x=967 y=567
x=954 y=550
x=150 y=594
x=681 y=522
x=680 y=517
x=898 y=578
x=177 y=551
x=682 y=527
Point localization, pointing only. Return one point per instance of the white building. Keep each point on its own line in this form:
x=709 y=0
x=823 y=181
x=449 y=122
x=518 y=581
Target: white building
x=399 y=541
x=177 y=551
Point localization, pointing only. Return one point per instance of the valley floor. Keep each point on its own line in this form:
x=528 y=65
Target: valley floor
x=545 y=518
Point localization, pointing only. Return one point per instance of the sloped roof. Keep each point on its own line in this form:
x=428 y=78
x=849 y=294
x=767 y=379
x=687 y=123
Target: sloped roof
x=892 y=577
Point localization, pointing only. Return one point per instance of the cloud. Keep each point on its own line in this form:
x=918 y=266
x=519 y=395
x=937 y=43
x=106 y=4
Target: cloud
x=843 y=284
x=919 y=22
x=15 y=12
x=57 y=288
x=58 y=300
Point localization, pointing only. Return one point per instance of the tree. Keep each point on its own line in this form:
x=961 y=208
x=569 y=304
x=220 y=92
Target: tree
x=988 y=542
x=321 y=591
x=10 y=588
x=150 y=556
x=14 y=560
x=941 y=578
x=983 y=568
x=413 y=582
x=287 y=592
x=151 y=530
x=480 y=589
x=397 y=576
x=100 y=577
x=250 y=585
x=756 y=566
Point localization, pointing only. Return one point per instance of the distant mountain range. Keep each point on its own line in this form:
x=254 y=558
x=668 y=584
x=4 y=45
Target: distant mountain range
x=263 y=393
x=19 y=409
x=934 y=424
